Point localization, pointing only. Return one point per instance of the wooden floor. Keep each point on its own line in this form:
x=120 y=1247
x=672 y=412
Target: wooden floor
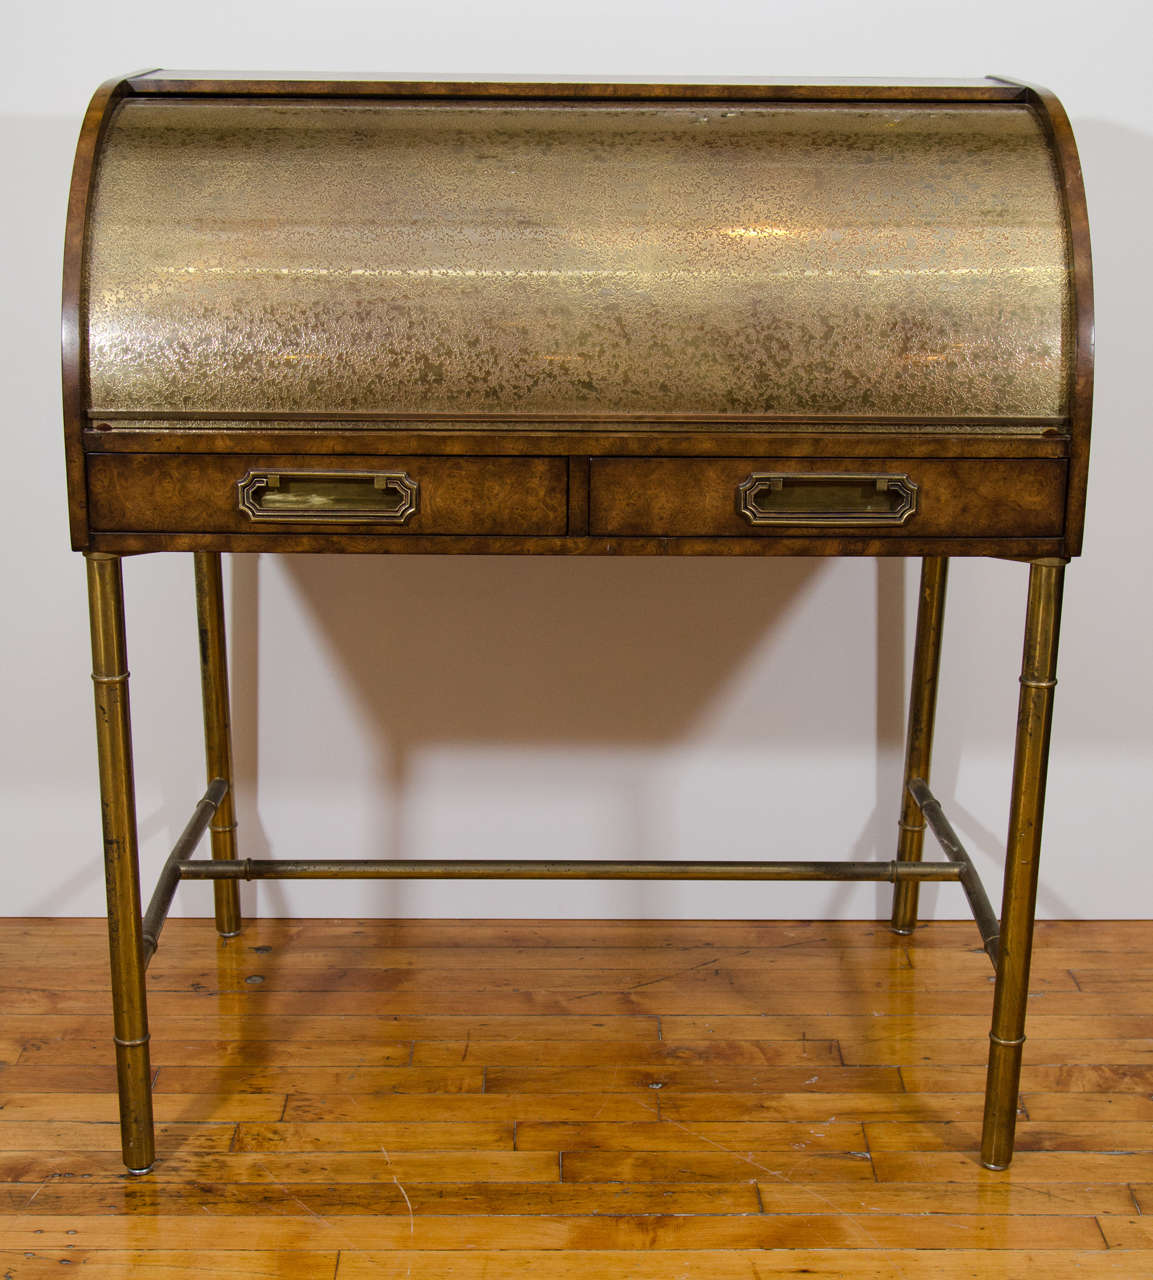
x=648 y=1100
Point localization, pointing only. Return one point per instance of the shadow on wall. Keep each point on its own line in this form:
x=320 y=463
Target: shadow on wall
x=538 y=650
x=1109 y=609
x=610 y=653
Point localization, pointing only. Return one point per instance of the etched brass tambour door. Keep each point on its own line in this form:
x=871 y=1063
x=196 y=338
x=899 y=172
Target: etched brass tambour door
x=746 y=260
x=770 y=318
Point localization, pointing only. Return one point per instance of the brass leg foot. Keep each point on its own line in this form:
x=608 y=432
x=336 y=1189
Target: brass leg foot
x=919 y=741
x=217 y=729
x=1030 y=764
x=122 y=872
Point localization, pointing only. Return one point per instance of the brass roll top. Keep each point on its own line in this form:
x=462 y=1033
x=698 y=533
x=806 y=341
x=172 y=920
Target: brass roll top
x=589 y=257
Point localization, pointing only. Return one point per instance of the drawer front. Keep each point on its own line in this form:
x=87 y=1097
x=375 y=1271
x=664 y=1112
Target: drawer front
x=260 y=493
x=760 y=497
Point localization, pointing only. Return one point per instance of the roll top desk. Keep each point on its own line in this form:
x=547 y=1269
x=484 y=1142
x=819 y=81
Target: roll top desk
x=352 y=315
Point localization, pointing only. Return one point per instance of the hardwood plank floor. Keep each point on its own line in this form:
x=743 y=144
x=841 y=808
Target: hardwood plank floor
x=639 y=1099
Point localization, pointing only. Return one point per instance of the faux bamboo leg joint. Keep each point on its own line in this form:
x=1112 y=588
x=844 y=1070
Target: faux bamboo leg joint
x=131 y=1044
x=1007 y=1044
x=116 y=679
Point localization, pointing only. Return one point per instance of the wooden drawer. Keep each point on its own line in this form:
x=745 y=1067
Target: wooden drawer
x=702 y=497
x=262 y=493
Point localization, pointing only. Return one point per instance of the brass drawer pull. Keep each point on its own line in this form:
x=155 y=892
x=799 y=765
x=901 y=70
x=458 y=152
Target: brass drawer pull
x=379 y=497
x=839 y=499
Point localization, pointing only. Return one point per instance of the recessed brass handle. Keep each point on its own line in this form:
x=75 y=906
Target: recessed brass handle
x=838 y=499
x=346 y=497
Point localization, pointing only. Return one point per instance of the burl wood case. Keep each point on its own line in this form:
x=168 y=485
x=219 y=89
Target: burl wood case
x=718 y=319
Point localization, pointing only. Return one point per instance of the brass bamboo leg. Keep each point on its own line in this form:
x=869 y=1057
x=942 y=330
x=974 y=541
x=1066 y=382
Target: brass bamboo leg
x=122 y=871
x=217 y=728
x=919 y=741
x=1030 y=762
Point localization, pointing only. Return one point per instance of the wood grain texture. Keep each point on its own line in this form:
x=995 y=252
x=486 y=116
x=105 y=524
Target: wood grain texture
x=345 y=1138
x=125 y=544
x=165 y=492
x=514 y=1264
x=697 y=497
x=352 y=84
x=73 y=350
x=114 y=433
x=636 y=502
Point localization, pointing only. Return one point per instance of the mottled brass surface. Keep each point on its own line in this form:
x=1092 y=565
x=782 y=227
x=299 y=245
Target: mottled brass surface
x=441 y=257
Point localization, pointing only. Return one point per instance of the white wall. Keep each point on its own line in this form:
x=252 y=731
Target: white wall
x=615 y=708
